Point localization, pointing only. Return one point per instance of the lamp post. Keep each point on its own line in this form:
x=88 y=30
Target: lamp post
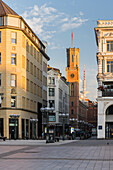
x=47 y=110
x=33 y=121
x=14 y=116
x=63 y=116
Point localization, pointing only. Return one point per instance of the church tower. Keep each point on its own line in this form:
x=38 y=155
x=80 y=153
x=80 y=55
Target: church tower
x=72 y=71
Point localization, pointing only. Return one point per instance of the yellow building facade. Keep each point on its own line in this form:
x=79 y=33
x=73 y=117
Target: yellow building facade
x=23 y=77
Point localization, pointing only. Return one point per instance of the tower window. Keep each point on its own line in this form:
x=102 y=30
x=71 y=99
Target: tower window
x=72 y=104
x=72 y=111
x=72 y=89
x=72 y=58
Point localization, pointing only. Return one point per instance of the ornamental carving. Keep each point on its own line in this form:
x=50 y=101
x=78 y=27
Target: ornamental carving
x=13 y=91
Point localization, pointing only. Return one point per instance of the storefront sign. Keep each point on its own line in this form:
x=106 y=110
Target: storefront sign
x=72 y=129
x=100 y=127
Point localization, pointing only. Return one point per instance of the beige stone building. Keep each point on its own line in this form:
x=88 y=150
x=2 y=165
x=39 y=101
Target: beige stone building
x=23 y=77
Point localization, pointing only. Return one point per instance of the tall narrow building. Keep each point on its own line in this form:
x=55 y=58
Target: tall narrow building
x=73 y=80
x=23 y=77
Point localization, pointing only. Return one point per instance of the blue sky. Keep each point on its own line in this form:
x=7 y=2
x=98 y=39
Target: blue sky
x=54 y=20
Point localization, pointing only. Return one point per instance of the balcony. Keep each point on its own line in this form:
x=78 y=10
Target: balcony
x=107 y=93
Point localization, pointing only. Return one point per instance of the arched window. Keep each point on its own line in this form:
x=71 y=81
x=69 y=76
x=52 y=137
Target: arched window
x=72 y=89
x=72 y=104
x=72 y=111
x=72 y=58
x=109 y=110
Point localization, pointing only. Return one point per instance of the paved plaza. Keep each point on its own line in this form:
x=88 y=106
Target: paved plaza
x=64 y=155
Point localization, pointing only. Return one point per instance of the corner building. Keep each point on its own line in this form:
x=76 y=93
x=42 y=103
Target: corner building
x=23 y=77
x=104 y=39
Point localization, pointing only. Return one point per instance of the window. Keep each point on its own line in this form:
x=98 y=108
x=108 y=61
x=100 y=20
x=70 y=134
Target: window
x=51 y=103
x=1 y=21
x=51 y=91
x=27 y=84
x=72 y=104
x=0 y=58
x=72 y=58
x=110 y=66
x=27 y=65
x=51 y=80
x=72 y=89
x=13 y=59
x=13 y=37
x=0 y=36
x=23 y=82
x=13 y=101
x=110 y=46
x=72 y=111
x=23 y=61
x=0 y=79
x=13 y=80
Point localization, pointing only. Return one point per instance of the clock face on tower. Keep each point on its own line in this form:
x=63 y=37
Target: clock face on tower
x=72 y=75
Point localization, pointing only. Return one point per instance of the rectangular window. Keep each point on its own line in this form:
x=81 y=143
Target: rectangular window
x=51 y=80
x=23 y=61
x=0 y=79
x=0 y=58
x=0 y=36
x=27 y=84
x=27 y=65
x=23 y=82
x=13 y=37
x=13 y=101
x=51 y=103
x=1 y=21
x=13 y=59
x=110 y=46
x=51 y=92
x=110 y=66
x=13 y=80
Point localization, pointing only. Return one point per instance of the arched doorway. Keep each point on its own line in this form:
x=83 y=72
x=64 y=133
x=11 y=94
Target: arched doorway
x=109 y=122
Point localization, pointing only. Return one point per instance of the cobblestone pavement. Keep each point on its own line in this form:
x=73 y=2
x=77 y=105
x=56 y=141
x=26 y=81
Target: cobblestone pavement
x=66 y=155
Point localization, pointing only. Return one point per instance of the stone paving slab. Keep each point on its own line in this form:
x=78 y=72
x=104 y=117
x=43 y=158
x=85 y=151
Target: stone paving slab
x=75 y=155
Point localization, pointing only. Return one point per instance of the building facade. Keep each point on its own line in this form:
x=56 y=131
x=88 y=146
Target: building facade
x=23 y=77
x=104 y=39
x=58 y=97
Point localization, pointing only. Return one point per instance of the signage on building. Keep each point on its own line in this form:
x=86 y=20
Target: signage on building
x=72 y=129
x=52 y=118
x=45 y=129
x=100 y=127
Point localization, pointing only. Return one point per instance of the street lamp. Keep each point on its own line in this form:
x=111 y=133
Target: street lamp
x=14 y=116
x=33 y=121
x=47 y=110
x=63 y=116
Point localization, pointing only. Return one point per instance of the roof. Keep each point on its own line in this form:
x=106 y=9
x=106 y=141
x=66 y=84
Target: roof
x=5 y=9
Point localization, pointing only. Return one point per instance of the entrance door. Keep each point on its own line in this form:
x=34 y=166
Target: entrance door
x=111 y=131
x=13 y=128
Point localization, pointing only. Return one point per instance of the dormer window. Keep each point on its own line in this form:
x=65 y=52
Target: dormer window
x=1 y=21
